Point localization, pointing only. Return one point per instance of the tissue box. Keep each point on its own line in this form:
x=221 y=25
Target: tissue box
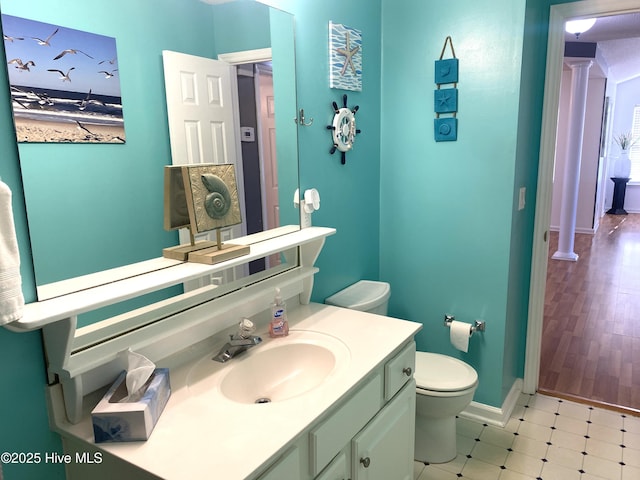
x=115 y=421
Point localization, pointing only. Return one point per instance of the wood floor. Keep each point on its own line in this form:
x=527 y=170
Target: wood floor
x=591 y=332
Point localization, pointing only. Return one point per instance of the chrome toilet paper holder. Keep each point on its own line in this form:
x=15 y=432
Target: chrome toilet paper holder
x=478 y=326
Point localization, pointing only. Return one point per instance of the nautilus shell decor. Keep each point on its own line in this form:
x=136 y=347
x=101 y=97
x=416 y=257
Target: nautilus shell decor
x=212 y=196
x=217 y=203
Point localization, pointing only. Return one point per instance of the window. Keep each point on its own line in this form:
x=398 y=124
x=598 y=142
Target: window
x=634 y=151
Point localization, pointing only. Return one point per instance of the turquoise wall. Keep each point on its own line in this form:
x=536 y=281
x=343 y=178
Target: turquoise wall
x=284 y=89
x=447 y=207
x=437 y=220
x=349 y=193
x=526 y=174
x=235 y=28
x=23 y=413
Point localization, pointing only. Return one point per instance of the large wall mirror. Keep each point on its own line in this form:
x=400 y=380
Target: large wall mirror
x=96 y=206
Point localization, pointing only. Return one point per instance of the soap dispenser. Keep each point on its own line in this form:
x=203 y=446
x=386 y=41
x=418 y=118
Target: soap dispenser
x=279 y=326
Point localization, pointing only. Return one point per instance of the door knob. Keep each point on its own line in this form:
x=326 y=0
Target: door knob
x=407 y=371
x=366 y=461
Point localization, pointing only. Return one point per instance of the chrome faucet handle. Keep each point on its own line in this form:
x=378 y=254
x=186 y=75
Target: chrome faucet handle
x=245 y=328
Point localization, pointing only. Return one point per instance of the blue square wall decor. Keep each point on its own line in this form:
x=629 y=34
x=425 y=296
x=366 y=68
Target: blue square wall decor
x=446 y=71
x=445 y=129
x=445 y=100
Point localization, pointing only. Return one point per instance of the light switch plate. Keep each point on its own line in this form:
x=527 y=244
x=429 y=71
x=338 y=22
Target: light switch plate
x=521 y=198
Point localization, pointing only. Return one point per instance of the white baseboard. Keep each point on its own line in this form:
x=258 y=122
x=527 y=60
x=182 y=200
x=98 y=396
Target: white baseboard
x=588 y=231
x=499 y=417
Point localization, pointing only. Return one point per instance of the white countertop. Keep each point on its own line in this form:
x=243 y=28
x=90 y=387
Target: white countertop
x=202 y=434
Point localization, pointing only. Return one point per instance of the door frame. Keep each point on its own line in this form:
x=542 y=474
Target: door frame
x=559 y=14
x=243 y=58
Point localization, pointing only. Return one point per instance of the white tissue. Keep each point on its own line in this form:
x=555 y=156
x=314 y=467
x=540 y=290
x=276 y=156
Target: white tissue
x=459 y=334
x=139 y=369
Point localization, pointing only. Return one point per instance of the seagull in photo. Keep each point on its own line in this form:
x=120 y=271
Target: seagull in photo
x=82 y=104
x=82 y=127
x=20 y=65
x=108 y=74
x=45 y=43
x=41 y=98
x=63 y=76
x=7 y=38
x=22 y=104
x=71 y=50
x=110 y=62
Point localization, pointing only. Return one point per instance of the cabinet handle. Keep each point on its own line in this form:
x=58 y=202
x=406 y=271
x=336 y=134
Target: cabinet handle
x=407 y=371
x=366 y=461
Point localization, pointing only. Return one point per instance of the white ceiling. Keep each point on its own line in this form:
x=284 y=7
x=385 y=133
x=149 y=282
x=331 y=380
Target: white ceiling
x=618 y=39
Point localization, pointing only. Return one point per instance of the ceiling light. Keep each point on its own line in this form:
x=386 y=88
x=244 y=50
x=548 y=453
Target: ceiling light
x=579 y=26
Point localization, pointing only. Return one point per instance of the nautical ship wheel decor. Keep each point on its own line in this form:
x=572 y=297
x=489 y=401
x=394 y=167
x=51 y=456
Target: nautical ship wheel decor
x=343 y=129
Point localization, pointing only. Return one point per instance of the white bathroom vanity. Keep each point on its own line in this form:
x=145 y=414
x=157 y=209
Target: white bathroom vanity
x=340 y=388
x=357 y=423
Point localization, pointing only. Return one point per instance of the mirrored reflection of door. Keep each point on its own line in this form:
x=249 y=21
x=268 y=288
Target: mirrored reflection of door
x=202 y=129
x=268 y=156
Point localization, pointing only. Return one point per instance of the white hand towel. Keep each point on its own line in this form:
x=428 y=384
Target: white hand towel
x=11 y=298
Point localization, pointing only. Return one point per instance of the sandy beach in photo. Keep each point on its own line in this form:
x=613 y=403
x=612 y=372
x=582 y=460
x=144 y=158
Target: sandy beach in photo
x=28 y=130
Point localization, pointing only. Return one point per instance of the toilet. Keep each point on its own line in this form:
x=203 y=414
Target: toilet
x=444 y=385
x=444 y=388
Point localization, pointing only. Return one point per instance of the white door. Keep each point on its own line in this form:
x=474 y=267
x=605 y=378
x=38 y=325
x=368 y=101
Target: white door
x=268 y=156
x=202 y=127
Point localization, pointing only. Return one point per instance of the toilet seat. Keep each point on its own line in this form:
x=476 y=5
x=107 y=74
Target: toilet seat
x=441 y=373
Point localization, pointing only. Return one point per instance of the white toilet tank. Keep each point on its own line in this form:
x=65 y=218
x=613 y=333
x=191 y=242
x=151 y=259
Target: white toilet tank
x=365 y=296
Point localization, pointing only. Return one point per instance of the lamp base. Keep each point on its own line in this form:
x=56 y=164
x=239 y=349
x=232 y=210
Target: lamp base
x=213 y=255
x=181 y=252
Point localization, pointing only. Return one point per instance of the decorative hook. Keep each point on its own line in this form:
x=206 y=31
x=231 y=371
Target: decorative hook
x=300 y=120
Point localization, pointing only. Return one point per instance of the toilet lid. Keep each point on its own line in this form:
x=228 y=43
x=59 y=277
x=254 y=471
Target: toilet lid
x=442 y=373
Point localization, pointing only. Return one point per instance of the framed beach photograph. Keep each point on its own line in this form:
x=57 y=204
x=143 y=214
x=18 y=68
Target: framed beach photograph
x=64 y=83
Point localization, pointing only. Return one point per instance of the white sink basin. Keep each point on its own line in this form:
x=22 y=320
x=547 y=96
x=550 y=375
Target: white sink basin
x=278 y=369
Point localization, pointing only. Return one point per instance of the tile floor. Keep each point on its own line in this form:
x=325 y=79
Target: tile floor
x=546 y=438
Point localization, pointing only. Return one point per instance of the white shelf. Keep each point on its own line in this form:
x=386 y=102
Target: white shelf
x=39 y=314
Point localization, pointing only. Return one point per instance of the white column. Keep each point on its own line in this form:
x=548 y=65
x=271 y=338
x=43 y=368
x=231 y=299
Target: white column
x=571 y=182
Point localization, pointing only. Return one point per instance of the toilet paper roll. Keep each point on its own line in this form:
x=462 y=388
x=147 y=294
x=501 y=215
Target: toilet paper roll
x=459 y=334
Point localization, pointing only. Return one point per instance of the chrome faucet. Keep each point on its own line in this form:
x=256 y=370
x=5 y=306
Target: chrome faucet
x=238 y=342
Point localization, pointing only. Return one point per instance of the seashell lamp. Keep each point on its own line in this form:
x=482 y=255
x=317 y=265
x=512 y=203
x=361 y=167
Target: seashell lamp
x=211 y=197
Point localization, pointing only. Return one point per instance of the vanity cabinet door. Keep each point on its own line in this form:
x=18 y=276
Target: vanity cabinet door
x=331 y=436
x=384 y=448
x=287 y=467
x=337 y=469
